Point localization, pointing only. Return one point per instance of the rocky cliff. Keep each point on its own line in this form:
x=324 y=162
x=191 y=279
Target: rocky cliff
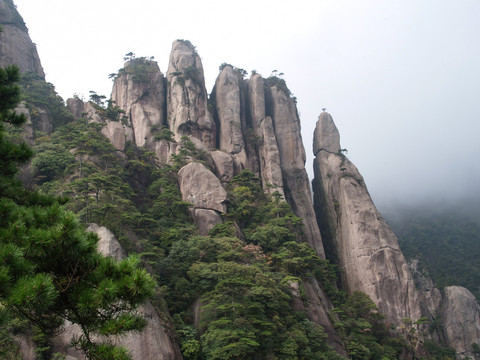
x=16 y=47
x=252 y=124
x=357 y=238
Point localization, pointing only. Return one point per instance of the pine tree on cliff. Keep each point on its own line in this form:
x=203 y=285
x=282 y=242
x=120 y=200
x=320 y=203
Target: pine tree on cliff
x=50 y=269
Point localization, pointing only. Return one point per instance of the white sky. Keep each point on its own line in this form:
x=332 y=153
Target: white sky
x=401 y=78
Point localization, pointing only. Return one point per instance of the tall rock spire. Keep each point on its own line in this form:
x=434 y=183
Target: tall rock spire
x=229 y=109
x=139 y=90
x=16 y=47
x=354 y=233
x=292 y=162
x=268 y=154
x=187 y=109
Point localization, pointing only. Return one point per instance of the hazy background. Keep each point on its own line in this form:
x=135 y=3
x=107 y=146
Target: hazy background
x=400 y=78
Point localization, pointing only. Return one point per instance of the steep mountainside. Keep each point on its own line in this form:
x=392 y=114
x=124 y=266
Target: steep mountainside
x=212 y=190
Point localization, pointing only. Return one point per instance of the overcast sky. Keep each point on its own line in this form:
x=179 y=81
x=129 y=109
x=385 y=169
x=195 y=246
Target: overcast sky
x=401 y=78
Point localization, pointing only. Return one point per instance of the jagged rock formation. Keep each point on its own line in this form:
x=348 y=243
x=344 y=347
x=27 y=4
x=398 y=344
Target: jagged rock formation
x=257 y=126
x=253 y=124
x=355 y=235
x=456 y=308
x=153 y=343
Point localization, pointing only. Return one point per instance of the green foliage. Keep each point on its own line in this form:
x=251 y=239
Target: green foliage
x=245 y=290
x=141 y=68
x=439 y=352
x=164 y=134
x=37 y=93
x=97 y=183
x=241 y=73
x=188 y=152
x=274 y=80
x=363 y=330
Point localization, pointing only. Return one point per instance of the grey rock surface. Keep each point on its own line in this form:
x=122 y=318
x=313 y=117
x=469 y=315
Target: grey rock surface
x=206 y=219
x=228 y=104
x=200 y=187
x=141 y=97
x=187 y=109
x=292 y=161
x=16 y=47
x=461 y=320
x=223 y=165
x=355 y=234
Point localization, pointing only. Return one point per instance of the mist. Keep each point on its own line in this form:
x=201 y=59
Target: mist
x=400 y=78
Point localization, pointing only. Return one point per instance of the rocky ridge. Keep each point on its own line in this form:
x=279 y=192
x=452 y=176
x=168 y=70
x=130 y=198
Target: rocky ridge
x=253 y=124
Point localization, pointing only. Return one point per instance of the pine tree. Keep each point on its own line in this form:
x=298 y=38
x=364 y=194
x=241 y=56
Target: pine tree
x=50 y=269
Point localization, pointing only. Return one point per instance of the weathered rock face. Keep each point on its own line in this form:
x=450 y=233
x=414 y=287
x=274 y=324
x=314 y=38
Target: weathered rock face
x=268 y=154
x=187 y=109
x=292 y=162
x=228 y=106
x=223 y=165
x=201 y=188
x=75 y=105
x=355 y=235
x=16 y=47
x=152 y=343
x=461 y=320
x=139 y=90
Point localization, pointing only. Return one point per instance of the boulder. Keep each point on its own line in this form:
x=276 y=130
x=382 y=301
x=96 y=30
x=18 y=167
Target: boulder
x=75 y=105
x=205 y=220
x=200 y=187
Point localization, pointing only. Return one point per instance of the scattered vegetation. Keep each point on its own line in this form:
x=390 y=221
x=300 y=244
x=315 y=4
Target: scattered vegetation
x=141 y=68
x=276 y=79
x=40 y=96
